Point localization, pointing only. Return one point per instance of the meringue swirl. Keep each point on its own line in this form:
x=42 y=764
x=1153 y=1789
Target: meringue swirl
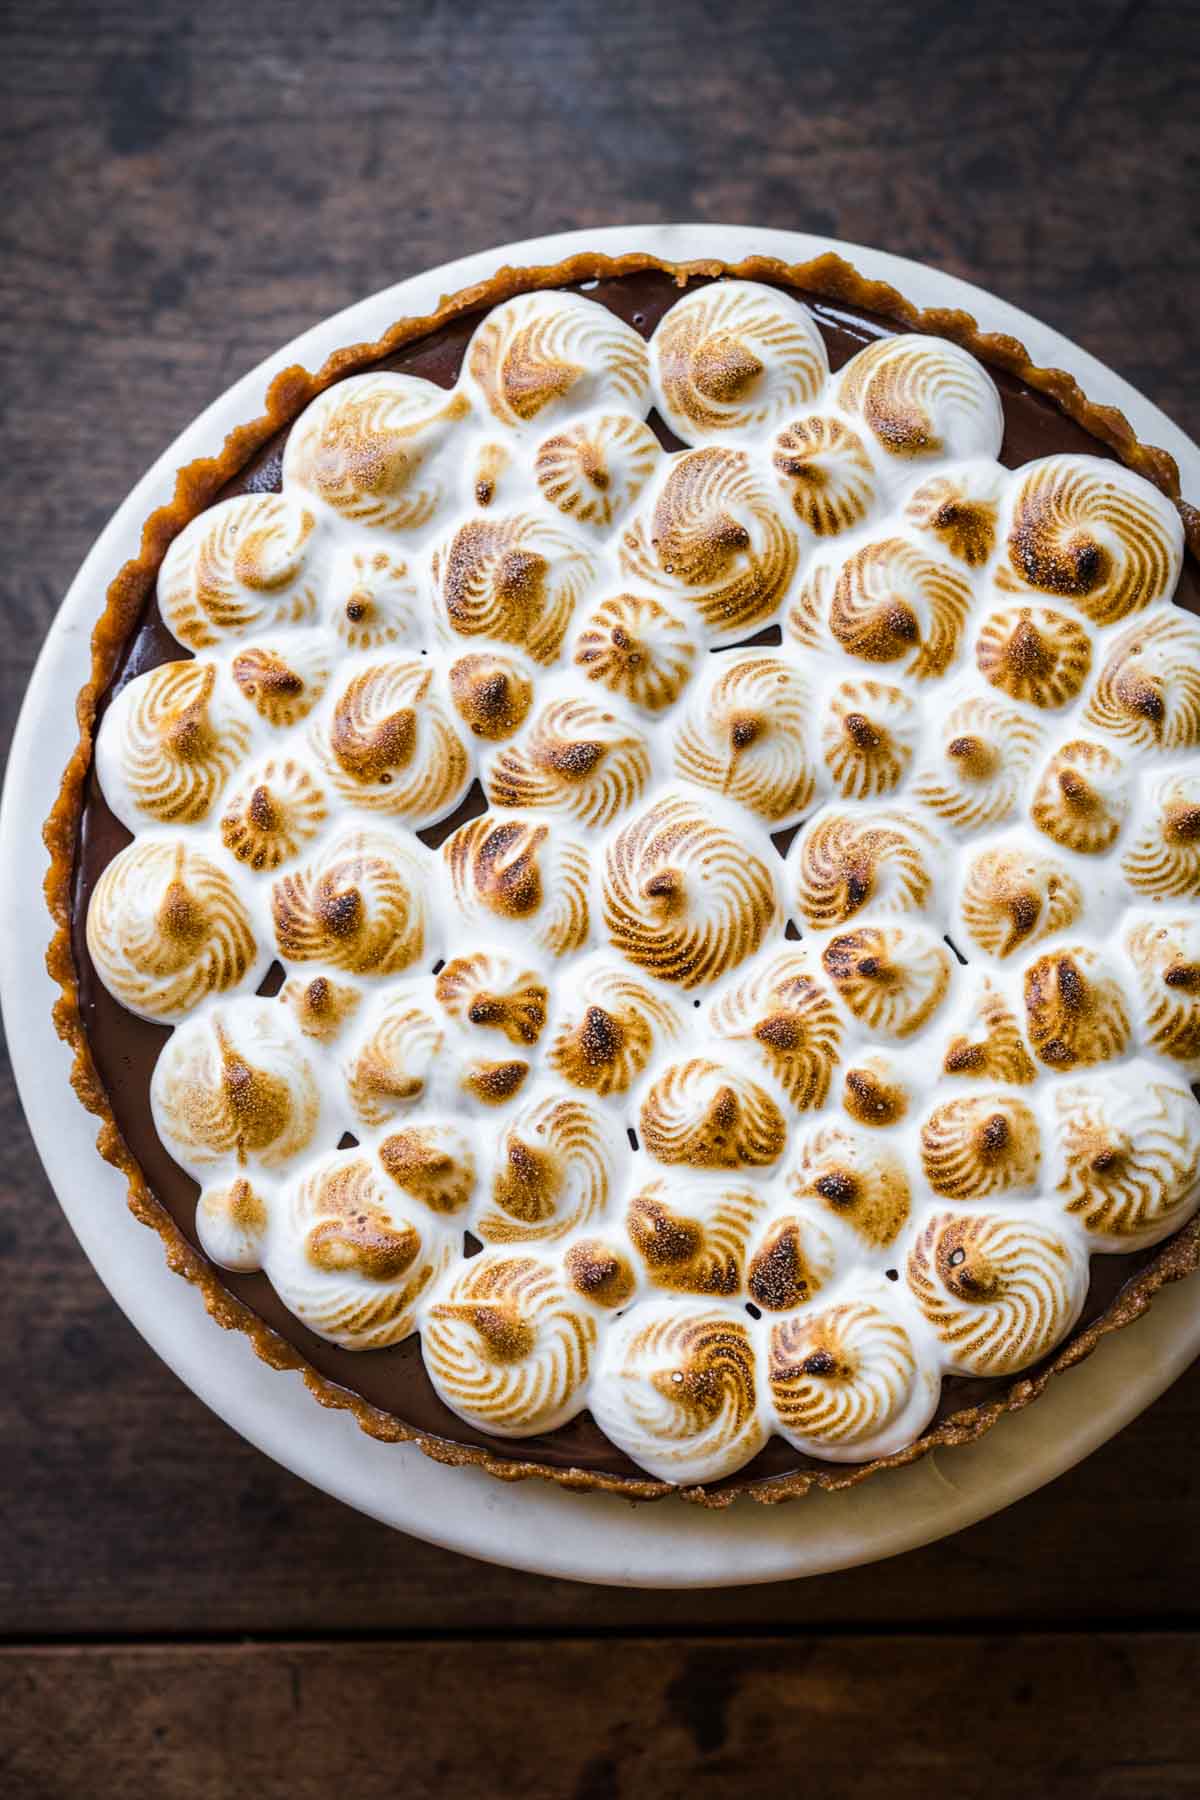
x=283 y=686
x=166 y=746
x=858 y=1179
x=1014 y=896
x=1074 y=1011
x=1148 y=691
x=1130 y=1158
x=362 y=906
x=703 y=1116
x=736 y=357
x=685 y=898
x=980 y=1144
x=1080 y=799
x=608 y=1034
x=867 y=738
x=358 y=1258
x=1166 y=956
x=824 y=468
x=490 y=991
x=892 y=977
x=554 y=1172
x=984 y=758
x=747 y=737
x=692 y=1241
x=678 y=1390
x=518 y=871
x=320 y=1006
x=377 y=601
x=922 y=396
x=843 y=861
x=1035 y=654
x=638 y=649
x=517 y=579
x=1093 y=532
x=960 y=510
x=716 y=538
x=492 y=693
x=277 y=809
x=890 y=603
x=245 y=564
x=999 y=1290
x=1164 y=860
x=432 y=1163
x=784 y=1013
x=577 y=758
x=594 y=471
x=547 y=355
x=235 y=1085
x=991 y=1046
x=844 y=1379
x=377 y=448
x=166 y=928
x=390 y=1068
x=508 y=1346
x=792 y=1262
x=231 y=1224
x=390 y=745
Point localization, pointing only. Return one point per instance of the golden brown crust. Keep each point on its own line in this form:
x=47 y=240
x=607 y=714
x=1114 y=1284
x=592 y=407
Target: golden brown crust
x=196 y=486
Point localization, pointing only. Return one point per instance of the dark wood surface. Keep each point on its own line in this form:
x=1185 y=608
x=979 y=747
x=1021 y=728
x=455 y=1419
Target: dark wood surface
x=184 y=188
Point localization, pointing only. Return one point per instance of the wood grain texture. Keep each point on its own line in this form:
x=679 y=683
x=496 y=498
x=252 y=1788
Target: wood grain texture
x=182 y=189
x=1080 y=1718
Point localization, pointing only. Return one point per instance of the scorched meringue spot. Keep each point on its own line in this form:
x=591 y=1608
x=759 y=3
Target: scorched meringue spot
x=728 y=1040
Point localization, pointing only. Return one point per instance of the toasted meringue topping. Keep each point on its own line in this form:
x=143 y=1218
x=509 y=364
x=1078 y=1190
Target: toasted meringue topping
x=1148 y=691
x=490 y=991
x=167 y=746
x=678 y=1390
x=247 y=564
x=546 y=356
x=793 y=1261
x=518 y=871
x=492 y=693
x=843 y=861
x=980 y=1144
x=736 y=358
x=746 y=736
x=166 y=928
x=981 y=766
x=358 y=1257
x=1034 y=653
x=508 y=1345
x=847 y=1383
x=1094 y=532
x=390 y=745
x=991 y=1047
x=715 y=537
x=875 y=1092
x=858 y=1179
x=600 y=1272
x=923 y=396
x=824 y=468
x=432 y=1163
x=867 y=738
x=375 y=600
x=389 y=1069
x=611 y=1030
x=685 y=898
x=782 y=1011
x=231 y=1223
x=281 y=685
x=277 y=809
x=517 y=579
x=960 y=510
x=692 y=1240
x=889 y=603
x=1074 y=1011
x=1166 y=955
x=379 y=448
x=594 y=471
x=1164 y=859
x=708 y=1117
x=235 y=1086
x=554 y=1172
x=1015 y=895
x=637 y=648
x=1129 y=1155
x=362 y=905
x=577 y=758
x=892 y=977
x=320 y=1006
x=1080 y=799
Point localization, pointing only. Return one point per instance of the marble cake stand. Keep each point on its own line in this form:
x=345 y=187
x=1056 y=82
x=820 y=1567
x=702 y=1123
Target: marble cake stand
x=532 y=1525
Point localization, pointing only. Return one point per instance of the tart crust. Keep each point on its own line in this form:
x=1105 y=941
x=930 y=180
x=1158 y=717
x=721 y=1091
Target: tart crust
x=196 y=486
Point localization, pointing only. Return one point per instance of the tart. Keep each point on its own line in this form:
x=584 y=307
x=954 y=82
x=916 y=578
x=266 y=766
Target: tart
x=629 y=893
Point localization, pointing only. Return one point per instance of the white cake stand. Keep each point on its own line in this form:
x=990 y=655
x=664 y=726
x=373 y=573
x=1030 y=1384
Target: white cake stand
x=533 y=1525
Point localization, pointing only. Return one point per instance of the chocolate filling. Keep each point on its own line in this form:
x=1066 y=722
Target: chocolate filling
x=125 y=1048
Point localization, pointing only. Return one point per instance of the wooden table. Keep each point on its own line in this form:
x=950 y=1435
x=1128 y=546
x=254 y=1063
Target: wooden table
x=184 y=189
